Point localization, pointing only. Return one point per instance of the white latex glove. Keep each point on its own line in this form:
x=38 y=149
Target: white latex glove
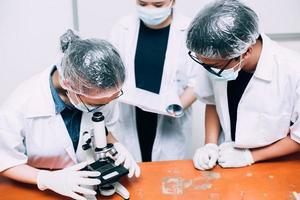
x=125 y=157
x=67 y=181
x=90 y=196
x=229 y=156
x=206 y=157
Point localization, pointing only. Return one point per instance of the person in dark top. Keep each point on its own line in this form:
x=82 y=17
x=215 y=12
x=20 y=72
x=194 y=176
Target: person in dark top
x=149 y=62
x=153 y=46
x=250 y=85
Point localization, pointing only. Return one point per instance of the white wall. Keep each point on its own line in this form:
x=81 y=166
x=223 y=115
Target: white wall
x=30 y=31
x=281 y=16
x=295 y=45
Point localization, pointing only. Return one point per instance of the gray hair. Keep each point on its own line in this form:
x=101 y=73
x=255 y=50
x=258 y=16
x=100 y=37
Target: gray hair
x=224 y=29
x=90 y=64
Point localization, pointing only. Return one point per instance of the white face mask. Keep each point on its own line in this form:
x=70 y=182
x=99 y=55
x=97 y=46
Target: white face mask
x=154 y=16
x=227 y=74
x=80 y=106
x=85 y=108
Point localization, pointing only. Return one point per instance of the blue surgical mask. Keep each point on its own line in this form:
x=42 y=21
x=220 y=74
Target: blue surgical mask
x=227 y=74
x=154 y=16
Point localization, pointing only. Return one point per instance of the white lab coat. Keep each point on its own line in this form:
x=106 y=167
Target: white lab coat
x=31 y=132
x=172 y=133
x=270 y=101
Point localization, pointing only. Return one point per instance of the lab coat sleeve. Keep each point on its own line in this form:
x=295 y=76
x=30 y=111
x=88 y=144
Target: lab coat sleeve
x=116 y=36
x=204 y=89
x=12 y=140
x=111 y=116
x=192 y=71
x=295 y=128
x=188 y=69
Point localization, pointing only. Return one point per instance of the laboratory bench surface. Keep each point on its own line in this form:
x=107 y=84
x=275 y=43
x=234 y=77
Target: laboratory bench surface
x=176 y=180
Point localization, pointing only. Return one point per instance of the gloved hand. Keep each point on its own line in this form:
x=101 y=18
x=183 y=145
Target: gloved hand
x=229 y=156
x=206 y=157
x=67 y=181
x=125 y=157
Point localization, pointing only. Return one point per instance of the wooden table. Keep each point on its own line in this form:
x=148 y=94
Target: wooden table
x=177 y=180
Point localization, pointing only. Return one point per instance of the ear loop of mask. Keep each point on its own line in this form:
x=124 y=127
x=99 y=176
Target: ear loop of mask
x=71 y=99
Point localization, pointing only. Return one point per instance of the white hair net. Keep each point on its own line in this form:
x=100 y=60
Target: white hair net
x=224 y=29
x=90 y=67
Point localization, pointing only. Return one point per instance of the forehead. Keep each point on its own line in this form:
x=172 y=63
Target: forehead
x=100 y=93
x=209 y=60
x=107 y=96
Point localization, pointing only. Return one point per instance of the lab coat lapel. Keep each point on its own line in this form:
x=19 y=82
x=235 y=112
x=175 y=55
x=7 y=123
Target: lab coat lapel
x=132 y=33
x=70 y=150
x=172 y=54
x=84 y=126
x=266 y=63
x=220 y=88
x=131 y=29
x=44 y=105
x=66 y=141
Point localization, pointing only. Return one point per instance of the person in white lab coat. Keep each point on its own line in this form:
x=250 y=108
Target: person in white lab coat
x=152 y=45
x=42 y=122
x=251 y=87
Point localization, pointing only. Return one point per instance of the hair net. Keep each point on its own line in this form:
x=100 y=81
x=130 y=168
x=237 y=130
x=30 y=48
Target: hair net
x=90 y=67
x=224 y=29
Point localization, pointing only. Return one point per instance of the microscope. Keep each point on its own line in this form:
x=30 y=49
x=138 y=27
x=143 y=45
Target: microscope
x=100 y=156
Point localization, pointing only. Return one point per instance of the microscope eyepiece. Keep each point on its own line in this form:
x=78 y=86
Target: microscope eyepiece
x=97 y=117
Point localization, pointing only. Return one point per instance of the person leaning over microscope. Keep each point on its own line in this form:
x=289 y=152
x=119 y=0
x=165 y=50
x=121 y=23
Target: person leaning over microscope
x=41 y=122
x=250 y=85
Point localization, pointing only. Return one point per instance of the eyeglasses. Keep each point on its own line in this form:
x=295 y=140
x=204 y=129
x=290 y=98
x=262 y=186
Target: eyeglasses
x=209 y=67
x=93 y=108
x=119 y=94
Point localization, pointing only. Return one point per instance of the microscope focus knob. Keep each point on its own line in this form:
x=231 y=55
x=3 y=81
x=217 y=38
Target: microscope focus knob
x=86 y=147
x=97 y=117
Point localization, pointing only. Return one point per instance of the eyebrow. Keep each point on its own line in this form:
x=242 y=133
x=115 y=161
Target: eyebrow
x=205 y=62
x=214 y=64
x=142 y=1
x=217 y=63
x=160 y=2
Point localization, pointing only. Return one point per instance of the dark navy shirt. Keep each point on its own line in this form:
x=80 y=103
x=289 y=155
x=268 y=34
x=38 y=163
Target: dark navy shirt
x=150 y=57
x=70 y=115
x=149 y=64
x=235 y=90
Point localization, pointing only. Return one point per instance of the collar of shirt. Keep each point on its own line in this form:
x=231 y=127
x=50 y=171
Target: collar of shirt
x=60 y=105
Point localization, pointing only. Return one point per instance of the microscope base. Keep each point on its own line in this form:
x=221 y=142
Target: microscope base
x=109 y=190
